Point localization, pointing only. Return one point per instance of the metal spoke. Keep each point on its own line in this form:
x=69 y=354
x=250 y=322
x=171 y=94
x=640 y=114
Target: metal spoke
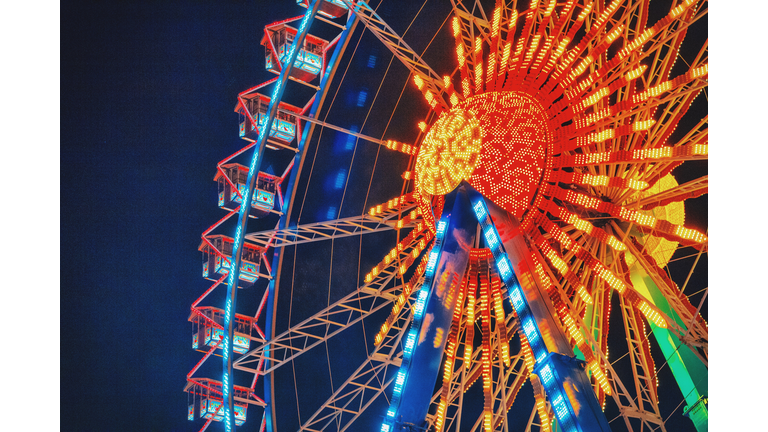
x=327 y=323
x=327 y=230
x=365 y=385
x=376 y=25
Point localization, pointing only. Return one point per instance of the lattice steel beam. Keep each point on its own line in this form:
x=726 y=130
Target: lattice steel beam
x=619 y=393
x=462 y=12
x=462 y=379
x=317 y=329
x=531 y=419
x=327 y=323
x=645 y=382
x=399 y=48
x=504 y=395
x=691 y=189
x=334 y=127
x=697 y=334
x=363 y=388
x=366 y=384
x=469 y=22
x=338 y=228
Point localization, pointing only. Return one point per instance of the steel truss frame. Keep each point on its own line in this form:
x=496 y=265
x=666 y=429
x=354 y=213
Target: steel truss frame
x=370 y=380
x=327 y=230
x=376 y=25
x=333 y=409
x=365 y=385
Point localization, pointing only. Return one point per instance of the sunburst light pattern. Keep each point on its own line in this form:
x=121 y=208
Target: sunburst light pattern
x=563 y=115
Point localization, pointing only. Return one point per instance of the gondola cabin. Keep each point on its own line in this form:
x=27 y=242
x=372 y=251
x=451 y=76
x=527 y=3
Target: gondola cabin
x=329 y=8
x=216 y=259
x=207 y=333
x=210 y=408
x=277 y=42
x=253 y=115
x=205 y=395
x=231 y=187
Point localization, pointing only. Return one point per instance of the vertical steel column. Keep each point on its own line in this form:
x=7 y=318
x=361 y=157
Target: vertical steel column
x=565 y=381
x=690 y=373
x=298 y=163
x=432 y=317
x=234 y=270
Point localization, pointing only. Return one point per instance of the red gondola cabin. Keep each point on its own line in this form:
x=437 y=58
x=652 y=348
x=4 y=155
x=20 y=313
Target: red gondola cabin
x=216 y=264
x=283 y=127
x=263 y=197
x=277 y=42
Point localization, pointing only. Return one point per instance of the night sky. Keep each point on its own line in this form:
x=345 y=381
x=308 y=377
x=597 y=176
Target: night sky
x=147 y=91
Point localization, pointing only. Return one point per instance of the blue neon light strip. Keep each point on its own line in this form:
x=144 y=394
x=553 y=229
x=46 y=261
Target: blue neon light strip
x=325 y=79
x=305 y=61
x=514 y=291
x=560 y=403
x=552 y=385
x=410 y=340
x=244 y=210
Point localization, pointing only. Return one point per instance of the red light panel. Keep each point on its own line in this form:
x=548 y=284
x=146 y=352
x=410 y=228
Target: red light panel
x=515 y=137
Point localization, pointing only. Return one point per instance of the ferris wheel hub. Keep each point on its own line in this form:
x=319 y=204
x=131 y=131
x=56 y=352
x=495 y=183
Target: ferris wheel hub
x=497 y=141
x=450 y=152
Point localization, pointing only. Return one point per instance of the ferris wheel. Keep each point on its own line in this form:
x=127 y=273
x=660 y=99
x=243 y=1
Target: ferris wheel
x=529 y=266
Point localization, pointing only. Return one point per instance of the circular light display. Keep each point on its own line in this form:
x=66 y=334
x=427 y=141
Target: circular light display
x=449 y=152
x=660 y=248
x=507 y=165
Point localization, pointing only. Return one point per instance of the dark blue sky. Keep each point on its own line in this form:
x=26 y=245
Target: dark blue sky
x=147 y=90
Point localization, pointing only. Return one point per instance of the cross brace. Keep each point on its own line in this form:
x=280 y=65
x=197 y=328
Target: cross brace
x=327 y=323
x=327 y=230
x=399 y=48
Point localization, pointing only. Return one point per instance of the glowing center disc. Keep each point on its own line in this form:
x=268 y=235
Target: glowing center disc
x=505 y=164
x=449 y=152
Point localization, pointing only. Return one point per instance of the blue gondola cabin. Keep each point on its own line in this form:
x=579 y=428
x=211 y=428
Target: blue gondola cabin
x=216 y=264
x=329 y=8
x=277 y=41
x=253 y=115
x=231 y=187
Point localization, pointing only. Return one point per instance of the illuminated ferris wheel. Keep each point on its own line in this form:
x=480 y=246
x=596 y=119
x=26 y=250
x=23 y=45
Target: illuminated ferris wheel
x=532 y=242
